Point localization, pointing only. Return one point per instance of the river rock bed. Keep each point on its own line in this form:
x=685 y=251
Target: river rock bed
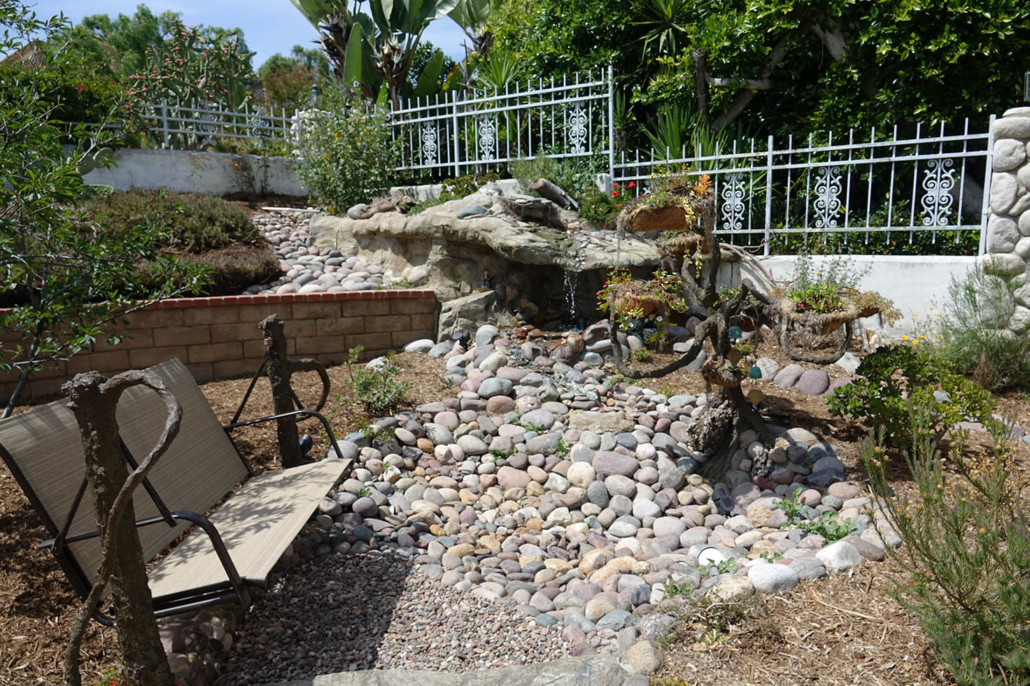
x=572 y=504
x=310 y=269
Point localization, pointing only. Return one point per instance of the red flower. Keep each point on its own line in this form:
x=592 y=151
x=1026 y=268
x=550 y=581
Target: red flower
x=632 y=184
x=615 y=194
x=79 y=86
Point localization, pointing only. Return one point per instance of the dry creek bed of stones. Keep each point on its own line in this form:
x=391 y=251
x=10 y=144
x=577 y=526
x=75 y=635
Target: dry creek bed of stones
x=310 y=269
x=554 y=508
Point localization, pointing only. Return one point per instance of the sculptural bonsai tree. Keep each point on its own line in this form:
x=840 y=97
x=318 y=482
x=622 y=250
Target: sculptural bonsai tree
x=693 y=251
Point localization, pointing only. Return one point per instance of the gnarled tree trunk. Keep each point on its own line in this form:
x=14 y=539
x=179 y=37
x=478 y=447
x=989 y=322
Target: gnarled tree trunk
x=728 y=412
x=94 y=400
x=280 y=369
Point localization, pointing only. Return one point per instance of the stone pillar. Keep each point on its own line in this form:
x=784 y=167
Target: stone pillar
x=1008 y=224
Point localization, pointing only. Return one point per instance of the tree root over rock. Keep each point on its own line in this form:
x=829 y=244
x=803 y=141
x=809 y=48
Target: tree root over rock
x=715 y=431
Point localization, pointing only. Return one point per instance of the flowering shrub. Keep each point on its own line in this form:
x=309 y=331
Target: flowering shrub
x=194 y=70
x=600 y=208
x=347 y=152
x=77 y=91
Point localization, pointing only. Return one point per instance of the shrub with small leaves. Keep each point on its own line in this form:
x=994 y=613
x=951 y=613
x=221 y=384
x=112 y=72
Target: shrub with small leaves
x=194 y=223
x=201 y=230
x=966 y=546
x=892 y=376
x=973 y=334
x=347 y=153
x=463 y=186
x=599 y=208
x=376 y=386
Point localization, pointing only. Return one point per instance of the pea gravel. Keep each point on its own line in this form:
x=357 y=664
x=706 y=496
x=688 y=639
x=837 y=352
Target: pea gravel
x=338 y=613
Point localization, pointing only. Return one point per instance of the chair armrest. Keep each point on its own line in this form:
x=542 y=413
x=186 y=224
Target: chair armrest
x=296 y=413
x=192 y=517
x=223 y=554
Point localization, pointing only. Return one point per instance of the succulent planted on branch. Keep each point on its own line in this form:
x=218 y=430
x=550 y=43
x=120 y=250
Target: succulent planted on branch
x=697 y=252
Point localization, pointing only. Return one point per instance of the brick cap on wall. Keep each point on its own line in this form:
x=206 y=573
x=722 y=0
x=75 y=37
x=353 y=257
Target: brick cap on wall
x=218 y=301
x=221 y=300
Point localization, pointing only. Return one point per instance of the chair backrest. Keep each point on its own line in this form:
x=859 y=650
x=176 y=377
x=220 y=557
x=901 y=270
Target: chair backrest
x=197 y=471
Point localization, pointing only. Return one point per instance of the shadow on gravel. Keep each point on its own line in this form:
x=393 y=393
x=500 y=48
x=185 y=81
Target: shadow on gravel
x=327 y=614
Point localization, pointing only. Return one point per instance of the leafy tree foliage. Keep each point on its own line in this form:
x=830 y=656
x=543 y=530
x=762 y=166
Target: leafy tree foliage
x=286 y=80
x=787 y=65
x=77 y=278
x=373 y=53
x=118 y=46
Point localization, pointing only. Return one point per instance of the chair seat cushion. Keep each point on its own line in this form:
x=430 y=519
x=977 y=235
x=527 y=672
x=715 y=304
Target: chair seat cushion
x=257 y=524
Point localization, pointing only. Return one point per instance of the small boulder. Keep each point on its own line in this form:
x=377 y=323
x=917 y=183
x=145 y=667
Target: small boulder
x=840 y=556
x=644 y=657
x=789 y=375
x=813 y=382
x=772 y=578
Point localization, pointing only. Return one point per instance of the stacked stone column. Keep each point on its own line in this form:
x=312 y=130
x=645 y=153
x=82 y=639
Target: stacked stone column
x=1008 y=225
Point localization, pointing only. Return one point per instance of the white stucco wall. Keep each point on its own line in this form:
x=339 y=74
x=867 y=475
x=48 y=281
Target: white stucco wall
x=209 y=173
x=915 y=284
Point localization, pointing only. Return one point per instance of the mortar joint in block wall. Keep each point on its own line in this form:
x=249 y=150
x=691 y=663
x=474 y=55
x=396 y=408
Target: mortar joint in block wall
x=219 y=338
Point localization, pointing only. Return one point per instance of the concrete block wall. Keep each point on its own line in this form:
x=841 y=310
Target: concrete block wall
x=219 y=338
x=206 y=173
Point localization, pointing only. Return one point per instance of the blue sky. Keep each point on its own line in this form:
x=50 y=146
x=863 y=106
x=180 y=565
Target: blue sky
x=270 y=26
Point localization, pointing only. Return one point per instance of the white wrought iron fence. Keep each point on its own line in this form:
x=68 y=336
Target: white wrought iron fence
x=488 y=128
x=903 y=185
x=929 y=183
x=191 y=127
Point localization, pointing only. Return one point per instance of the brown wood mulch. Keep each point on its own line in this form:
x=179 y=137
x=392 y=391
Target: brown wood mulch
x=841 y=630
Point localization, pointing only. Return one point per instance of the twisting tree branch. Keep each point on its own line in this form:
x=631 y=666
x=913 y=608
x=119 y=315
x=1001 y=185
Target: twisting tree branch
x=746 y=93
x=86 y=388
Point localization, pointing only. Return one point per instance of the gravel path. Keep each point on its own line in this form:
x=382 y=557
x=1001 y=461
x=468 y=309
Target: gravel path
x=342 y=613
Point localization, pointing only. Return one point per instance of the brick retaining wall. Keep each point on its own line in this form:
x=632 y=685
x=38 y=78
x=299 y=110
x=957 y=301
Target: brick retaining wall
x=219 y=338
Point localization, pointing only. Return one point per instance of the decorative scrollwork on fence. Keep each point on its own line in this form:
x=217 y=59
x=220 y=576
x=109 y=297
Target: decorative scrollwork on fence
x=430 y=147
x=578 y=130
x=487 y=138
x=827 y=203
x=259 y=125
x=733 y=202
x=938 y=180
x=208 y=123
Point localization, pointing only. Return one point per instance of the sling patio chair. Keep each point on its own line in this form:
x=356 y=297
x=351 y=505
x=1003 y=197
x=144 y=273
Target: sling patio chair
x=244 y=537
